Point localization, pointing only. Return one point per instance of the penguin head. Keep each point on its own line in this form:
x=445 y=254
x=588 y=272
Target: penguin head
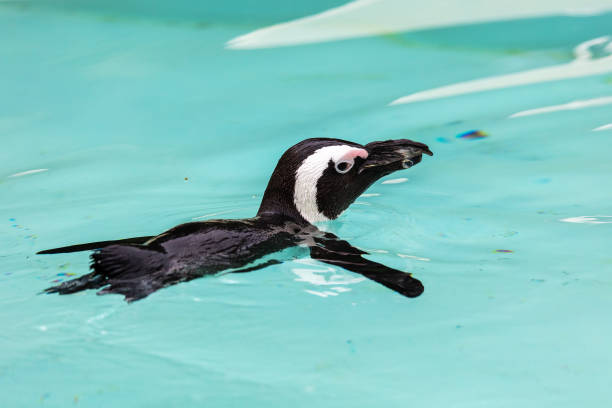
x=317 y=179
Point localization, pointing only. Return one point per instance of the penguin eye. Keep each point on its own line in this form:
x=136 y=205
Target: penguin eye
x=343 y=167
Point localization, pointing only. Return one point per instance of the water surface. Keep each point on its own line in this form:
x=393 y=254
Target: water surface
x=138 y=122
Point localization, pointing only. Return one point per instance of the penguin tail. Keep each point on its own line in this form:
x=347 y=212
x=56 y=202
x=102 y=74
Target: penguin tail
x=134 y=271
x=94 y=245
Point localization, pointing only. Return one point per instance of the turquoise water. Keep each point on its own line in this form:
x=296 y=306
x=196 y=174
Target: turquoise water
x=138 y=123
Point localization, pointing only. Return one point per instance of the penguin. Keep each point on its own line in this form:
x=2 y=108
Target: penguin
x=314 y=180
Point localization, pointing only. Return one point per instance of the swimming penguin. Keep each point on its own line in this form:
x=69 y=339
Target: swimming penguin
x=315 y=180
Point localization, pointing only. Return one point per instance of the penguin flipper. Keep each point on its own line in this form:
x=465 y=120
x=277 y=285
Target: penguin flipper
x=334 y=251
x=94 y=245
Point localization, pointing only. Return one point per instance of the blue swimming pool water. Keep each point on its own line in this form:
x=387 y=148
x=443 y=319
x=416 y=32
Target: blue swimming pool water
x=136 y=123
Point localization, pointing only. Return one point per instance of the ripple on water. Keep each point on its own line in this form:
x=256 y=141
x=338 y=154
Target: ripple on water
x=604 y=127
x=324 y=276
x=28 y=172
x=396 y=180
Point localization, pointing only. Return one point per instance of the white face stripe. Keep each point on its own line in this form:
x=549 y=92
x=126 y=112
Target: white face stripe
x=309 y=172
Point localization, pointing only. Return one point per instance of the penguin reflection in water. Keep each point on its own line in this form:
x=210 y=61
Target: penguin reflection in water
x=315 y=180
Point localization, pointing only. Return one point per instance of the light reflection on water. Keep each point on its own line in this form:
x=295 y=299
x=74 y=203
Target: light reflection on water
x=140 y=125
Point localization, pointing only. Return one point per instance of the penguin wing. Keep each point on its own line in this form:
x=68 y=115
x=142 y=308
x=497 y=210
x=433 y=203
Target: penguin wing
x=95 y=245
x=337 y=252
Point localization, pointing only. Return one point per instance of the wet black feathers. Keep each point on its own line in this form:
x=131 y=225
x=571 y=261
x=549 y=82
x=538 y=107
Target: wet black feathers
x=182 y=253
x=130 y=270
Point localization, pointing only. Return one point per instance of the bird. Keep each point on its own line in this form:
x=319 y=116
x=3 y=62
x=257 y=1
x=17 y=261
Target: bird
x=315 y=180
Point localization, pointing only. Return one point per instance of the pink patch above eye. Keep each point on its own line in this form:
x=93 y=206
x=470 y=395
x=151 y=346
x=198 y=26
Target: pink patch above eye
x=351 y=154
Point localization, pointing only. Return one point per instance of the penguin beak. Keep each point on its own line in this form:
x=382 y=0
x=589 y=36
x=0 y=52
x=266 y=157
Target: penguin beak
x=392 y=155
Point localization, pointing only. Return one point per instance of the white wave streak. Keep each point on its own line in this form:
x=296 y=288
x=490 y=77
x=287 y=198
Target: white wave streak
x=590 y=219
x=417 y=258
x=582 y=66
x=363 y=18
x=604 y=127
x=317 y=274
x=578 y=104
x=395 y=181
x=28 y=172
